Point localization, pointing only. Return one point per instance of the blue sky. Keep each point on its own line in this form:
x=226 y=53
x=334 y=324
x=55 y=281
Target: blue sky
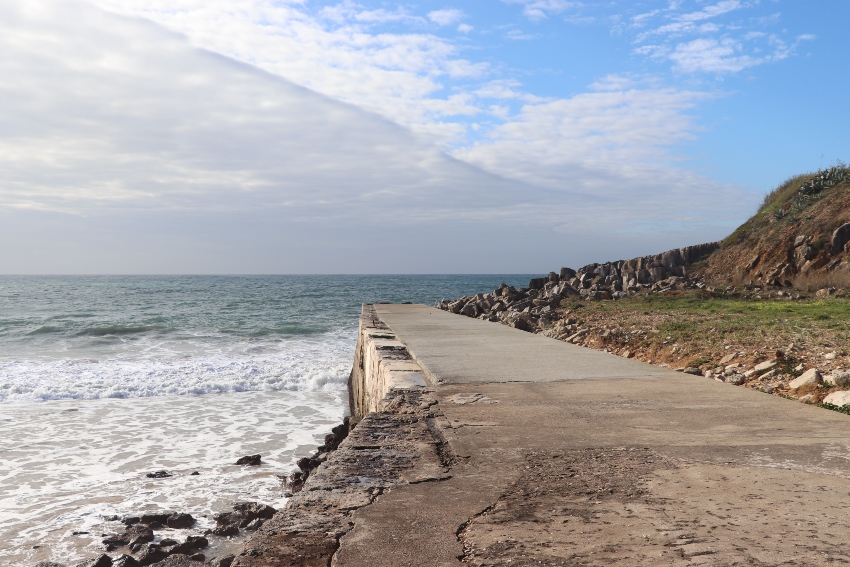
x=213 y=136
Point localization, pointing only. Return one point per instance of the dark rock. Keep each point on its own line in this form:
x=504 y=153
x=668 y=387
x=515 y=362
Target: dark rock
x=152 y=554
x=102 y=561
x=129 y=521
x=225 y=561
x=191 y=545
x=195 y=473
x=177 y=560
x=180 y=521
x=255 y=510
x=158 y=474
x=137 y=533
x=197 y=557
x=157 y=517
x=226 y=530
x=168 y=542
x=254 y=524
x=249 y=460
x=48 y=564
x=125 y=561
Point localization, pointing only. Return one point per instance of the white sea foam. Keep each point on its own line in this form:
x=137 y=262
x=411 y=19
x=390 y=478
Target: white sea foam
x=67 y=465
x=319 y=364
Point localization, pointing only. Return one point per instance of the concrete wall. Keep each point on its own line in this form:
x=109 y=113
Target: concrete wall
x=381 y=363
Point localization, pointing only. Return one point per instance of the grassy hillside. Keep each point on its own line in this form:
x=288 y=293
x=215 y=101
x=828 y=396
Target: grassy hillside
x=793 y=238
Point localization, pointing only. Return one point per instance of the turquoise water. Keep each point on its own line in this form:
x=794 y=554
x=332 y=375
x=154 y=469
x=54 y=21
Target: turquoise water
x=130 y=336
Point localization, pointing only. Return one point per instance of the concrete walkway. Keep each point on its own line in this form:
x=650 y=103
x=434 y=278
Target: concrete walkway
x=561 y=455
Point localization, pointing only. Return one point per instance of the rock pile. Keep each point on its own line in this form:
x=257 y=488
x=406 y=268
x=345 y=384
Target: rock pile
x=531 y=308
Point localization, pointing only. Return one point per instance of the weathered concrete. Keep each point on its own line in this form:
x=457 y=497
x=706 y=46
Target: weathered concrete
x=537 y=452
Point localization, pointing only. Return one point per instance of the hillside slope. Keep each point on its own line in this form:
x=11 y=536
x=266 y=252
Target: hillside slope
x=799 y=237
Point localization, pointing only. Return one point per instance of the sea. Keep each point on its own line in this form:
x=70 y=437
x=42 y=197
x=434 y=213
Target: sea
x=105 y=379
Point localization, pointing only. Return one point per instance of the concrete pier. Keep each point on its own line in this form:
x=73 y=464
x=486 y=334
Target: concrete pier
x=485 y=445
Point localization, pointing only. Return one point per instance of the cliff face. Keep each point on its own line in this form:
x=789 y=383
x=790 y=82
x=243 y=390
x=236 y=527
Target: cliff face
x=798 y=238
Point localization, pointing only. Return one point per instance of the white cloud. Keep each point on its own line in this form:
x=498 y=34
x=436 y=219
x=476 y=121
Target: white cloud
x=125 y=145
x=464 y=28
x=397 y=75
x=695 y=45
x=537 y=10
x=446 y=17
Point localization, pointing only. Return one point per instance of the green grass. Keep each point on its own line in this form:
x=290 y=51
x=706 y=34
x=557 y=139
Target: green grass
x=845 y=409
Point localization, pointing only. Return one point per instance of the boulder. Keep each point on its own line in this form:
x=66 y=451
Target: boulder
x=728 y=358
x=766 y=365
x=225 y=561
x=840 y=237
x=841 y=398
x=810 y=376
x=180 y=521
x=152 y=554
x=693 y=370
x=178 y=560
x=249 y=460
x=567 y=274
x=155 y=518
x=191 y=545
x=838 y=378
x=736 y=379
x=135 y=534
x=102 y=561
x=126 y=561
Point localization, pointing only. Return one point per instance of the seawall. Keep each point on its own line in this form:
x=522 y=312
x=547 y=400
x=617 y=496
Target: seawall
x=479 y=444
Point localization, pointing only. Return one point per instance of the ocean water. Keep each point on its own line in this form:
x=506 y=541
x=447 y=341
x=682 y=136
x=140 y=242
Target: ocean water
x=104 y=379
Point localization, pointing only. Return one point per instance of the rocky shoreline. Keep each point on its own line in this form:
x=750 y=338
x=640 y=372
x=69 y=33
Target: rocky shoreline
x=794 y=371
x=531 y=308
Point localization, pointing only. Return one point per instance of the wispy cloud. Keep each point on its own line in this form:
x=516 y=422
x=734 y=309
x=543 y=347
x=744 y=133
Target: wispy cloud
x=721 y=38
x=446 y=17
x=537 y=10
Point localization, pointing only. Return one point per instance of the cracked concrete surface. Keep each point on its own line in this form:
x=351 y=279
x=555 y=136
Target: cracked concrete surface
x=625 y=468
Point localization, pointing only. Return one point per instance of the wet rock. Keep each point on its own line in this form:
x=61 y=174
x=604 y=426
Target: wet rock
x=225 y=561
x=810 y=376
x=156 y=518
x=152 y=554
x=180 y=521
x=102 y=561
x=135 y=534
x=191 y=545
x=125 y=561
x=159 y=474
x=249 y=460
x=178 y=560
x=244 y=513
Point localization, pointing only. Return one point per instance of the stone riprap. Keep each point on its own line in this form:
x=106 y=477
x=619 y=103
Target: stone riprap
x=530 y=309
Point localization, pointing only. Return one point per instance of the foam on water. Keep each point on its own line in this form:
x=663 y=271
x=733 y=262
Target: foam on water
x=69 y=465
x=320 y=364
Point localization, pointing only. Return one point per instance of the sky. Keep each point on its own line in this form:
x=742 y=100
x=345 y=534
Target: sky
x=483 y=136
